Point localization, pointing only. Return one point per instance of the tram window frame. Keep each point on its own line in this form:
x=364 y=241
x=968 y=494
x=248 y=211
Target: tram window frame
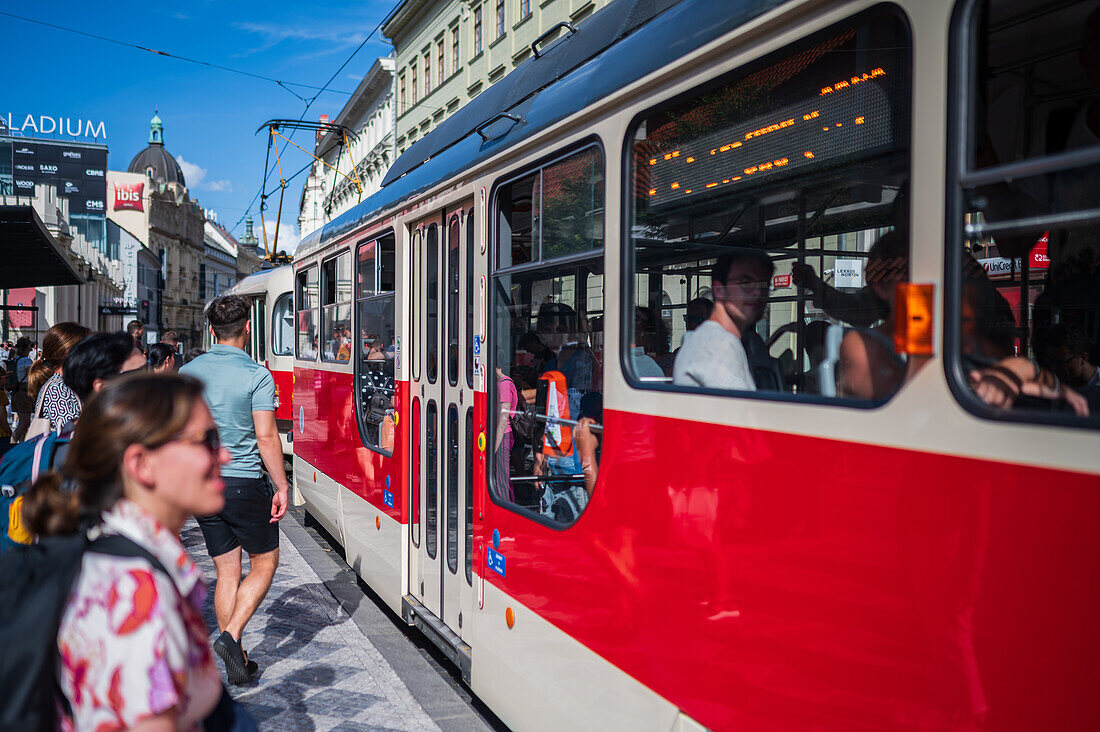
x=966 y=57
x=432 y=281
x=452 y=267
x=469 y=236
x=628 y=260
x=301 y=292
x=469 y=561
x=328 y=309
x=416 y=289
x=544 y=267
x=380 y=302
x=283 y=303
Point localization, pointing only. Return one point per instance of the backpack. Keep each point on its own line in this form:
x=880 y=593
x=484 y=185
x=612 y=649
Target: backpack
x=525 y=425
x=19 y=468
x=35 y=582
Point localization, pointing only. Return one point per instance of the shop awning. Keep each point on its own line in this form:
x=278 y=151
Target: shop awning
x=29 y=255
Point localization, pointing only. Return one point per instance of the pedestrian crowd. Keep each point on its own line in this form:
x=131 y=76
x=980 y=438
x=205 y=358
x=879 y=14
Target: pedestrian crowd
x=114 y=446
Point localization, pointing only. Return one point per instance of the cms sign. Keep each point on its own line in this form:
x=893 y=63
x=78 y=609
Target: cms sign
x=128 y=196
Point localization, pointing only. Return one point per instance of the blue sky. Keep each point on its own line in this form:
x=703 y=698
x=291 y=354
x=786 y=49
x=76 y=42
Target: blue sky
x=209 y=115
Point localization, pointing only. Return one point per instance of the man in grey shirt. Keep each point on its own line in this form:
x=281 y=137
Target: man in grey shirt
x=714 y=357
x=241 y=396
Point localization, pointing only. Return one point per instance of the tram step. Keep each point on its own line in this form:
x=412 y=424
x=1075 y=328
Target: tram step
x=445 y=639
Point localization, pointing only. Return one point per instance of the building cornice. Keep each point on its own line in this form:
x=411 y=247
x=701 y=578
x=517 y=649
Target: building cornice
x=402 y=16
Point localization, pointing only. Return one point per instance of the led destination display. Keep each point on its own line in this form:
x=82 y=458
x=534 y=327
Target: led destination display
x=852 y=115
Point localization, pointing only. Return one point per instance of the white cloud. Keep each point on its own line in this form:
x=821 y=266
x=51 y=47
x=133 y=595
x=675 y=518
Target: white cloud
x=196 y=178
x=288 y=237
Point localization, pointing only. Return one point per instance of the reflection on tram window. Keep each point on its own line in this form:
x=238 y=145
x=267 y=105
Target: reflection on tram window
x=282 y=326
x=554 y=212
x=336 y=308
x=377 y=399
x=306 y=298
x=547 y=336
x=1029 y=306
x=762 y=211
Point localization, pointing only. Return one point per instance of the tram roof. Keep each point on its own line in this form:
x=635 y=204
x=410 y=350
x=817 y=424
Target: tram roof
x=615 y=47
x=31 y=256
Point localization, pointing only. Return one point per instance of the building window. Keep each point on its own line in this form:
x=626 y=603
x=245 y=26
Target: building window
x=745 y=190
x=439 y=58
x=454 y=51
x=477 y=31
x=500 y=18
x=427 y=72
x=547 y=335
x=412 y=81
x=401 y=94
x=524 y=8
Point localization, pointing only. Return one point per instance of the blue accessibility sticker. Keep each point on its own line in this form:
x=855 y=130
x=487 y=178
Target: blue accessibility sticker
x=494 y=560
x=387 y=498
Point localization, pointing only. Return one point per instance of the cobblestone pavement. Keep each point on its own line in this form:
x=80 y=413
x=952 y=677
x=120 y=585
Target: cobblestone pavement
x=318 y=670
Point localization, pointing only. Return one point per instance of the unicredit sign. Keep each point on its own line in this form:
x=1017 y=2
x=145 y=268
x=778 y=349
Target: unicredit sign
x=128 y=196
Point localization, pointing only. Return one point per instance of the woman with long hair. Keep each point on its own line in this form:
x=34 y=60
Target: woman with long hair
x=53 y=400
x=134 y=649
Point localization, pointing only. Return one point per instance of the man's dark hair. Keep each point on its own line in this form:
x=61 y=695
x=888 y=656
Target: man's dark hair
x=170 y=337
x=23 y=346
x=722 y=267
x=227 y=315
x=98 y=356
x=133 y=327
x=1049 y=341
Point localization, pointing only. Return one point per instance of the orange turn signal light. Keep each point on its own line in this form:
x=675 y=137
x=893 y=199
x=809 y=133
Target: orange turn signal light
x=510 y=618
x=914 y=308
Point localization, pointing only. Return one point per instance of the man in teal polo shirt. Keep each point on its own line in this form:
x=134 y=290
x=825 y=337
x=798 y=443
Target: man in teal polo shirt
x=241 y=396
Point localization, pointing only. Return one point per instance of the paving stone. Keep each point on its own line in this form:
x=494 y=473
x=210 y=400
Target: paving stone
x=318 y=671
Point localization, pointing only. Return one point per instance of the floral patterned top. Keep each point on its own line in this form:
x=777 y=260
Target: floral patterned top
x=133 y=642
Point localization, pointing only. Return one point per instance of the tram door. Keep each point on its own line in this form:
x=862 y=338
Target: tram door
x=441 y=408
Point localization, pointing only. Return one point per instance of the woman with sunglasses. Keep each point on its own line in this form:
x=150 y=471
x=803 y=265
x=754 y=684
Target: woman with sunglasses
x=134 y=649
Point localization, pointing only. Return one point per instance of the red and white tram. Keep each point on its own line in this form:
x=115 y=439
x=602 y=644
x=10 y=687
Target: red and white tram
x=867 y=511
x=272 y=342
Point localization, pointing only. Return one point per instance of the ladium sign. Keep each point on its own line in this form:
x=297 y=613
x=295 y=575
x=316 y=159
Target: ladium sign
x=128 y=196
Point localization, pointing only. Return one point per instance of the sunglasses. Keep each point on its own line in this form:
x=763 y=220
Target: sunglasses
x=208 y=439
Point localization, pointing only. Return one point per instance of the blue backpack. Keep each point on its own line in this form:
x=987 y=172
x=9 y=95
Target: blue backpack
x=19 y=468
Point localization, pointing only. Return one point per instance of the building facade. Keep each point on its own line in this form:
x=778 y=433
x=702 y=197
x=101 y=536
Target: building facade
x=332 y=186
x=65 y=182
x=448 y=51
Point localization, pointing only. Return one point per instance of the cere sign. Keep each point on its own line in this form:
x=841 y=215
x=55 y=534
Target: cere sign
x=128 y=196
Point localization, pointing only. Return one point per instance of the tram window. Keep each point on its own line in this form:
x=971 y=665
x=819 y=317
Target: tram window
x=1024 y=330
x=306 y=298
x=769 y=223
x=282 y=326
x=452 y=489
x=470 y=298
x=376 y=343
x=469 y=500
x=415 y=303
x=454 y=245
x=547 y=340
x=416 y=472
x=336 y=308
x=554 y=212
x=431 y=320
x=431 y=484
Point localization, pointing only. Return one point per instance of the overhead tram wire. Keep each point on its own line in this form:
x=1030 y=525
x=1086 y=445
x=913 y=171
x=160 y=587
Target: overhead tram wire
x=127 y=44
x=267 y=171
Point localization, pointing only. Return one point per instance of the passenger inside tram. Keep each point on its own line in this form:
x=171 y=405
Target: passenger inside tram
x=715 y=357
x=870 y=367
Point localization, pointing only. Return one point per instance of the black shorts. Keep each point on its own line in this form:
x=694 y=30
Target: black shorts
x=244 y=522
